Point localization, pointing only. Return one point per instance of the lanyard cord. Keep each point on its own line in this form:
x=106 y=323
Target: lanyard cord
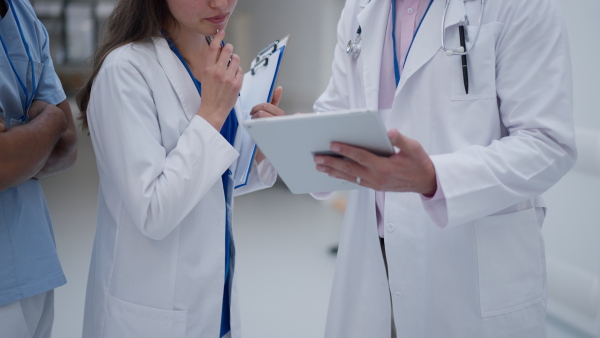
x=228 y=131
x=28 y=99
x=396 y=66
x=182 y=59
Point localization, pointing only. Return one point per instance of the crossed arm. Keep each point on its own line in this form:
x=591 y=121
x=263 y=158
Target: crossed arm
x=41 y=148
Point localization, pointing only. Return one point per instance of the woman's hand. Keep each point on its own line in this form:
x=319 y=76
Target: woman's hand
x=221 y=82
x=267 y=110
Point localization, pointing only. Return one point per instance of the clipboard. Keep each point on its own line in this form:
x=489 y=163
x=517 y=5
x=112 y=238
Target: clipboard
x=290 y=143
x=257 y=87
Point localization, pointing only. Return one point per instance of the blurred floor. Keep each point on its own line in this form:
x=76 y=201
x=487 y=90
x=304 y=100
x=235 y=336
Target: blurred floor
x=283 y=260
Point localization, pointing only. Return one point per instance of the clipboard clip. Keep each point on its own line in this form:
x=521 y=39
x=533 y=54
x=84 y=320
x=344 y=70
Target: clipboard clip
x=270 y=49
x=260 y=64
x=262 y=59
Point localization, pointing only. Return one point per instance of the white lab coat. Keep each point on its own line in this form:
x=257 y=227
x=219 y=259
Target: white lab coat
x=472 y=265
x=158 y=262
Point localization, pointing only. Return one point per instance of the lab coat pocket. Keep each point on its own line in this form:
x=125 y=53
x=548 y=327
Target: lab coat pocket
x=509 y=261
x=128 y=320
x=481 y=64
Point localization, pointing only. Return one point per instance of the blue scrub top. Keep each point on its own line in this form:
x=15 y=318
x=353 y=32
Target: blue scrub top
x=29 y=263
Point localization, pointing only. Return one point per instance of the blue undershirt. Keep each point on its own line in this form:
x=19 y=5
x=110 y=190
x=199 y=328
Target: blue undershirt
x=228 y=131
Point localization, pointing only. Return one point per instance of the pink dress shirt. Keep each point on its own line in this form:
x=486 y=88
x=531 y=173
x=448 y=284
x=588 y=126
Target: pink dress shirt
x=409 y=14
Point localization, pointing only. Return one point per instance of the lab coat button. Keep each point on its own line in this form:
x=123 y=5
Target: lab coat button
x=397 y=295
x=410 y=10
x=391 y=227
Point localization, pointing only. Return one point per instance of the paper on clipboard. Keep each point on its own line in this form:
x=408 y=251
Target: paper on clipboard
x=257 y=87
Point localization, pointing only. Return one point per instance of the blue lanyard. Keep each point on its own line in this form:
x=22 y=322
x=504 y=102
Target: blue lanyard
x=28 y=99
x=228 y=131
x=396 y=66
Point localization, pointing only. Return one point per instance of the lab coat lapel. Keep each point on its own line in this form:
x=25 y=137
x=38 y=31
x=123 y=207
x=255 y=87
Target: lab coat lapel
x=178 y=77
x=372 y=20
x=428 y=40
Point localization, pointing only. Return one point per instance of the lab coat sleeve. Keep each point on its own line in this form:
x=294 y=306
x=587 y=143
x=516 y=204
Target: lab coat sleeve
x=534 y=89
x=158 y=189
x=262 y=176
x=336 y=96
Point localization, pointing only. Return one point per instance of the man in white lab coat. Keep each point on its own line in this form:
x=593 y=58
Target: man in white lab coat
x=447 y=240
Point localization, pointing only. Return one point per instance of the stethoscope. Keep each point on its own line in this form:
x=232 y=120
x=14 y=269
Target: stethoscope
x=25 y=102
x=354 y=46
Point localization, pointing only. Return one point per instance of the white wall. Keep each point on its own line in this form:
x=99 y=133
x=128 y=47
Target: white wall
x=307 y=63
x=572 y=229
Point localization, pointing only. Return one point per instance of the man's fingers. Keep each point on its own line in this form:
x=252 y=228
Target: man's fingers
x=399 y=141
x=358 y=155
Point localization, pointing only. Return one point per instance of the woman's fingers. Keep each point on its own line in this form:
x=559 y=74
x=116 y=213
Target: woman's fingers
x=234 y=65
x=225 y=58
x=265 y=110
x=214 y=50
x=277 y=96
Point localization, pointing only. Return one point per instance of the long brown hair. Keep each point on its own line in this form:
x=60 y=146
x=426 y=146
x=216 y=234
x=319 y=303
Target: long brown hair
x=130 y=21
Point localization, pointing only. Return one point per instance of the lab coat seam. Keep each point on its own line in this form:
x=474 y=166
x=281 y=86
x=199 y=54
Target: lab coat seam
x=107 y=293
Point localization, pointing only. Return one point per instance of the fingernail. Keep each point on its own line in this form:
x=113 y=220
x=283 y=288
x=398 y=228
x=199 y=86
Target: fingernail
x=335 y=148
x=319 y=160
x=320 y=168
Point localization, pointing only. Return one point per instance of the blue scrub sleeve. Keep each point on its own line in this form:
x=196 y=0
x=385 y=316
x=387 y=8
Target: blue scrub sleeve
x=49 y=87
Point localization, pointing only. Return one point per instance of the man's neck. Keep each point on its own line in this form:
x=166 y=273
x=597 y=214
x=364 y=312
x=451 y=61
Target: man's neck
x=3 y=8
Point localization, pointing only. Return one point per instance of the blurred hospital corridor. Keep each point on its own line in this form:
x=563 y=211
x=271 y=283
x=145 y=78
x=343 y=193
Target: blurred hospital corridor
x=285 y=243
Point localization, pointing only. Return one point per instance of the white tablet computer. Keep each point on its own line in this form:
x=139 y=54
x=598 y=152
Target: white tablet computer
x=290 y=143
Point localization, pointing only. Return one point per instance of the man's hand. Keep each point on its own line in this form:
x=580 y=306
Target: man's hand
x=64 y=154
x=2 y=125
x=409 y=170
x=25 y=150
x=36 y=108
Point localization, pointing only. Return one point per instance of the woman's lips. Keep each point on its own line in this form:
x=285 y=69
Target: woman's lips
x=217 y=19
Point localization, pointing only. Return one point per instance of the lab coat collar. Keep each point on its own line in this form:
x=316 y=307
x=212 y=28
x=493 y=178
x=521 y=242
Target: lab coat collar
x=178 y=77
x=427 y=42
x=373 y=22
x=456 y=13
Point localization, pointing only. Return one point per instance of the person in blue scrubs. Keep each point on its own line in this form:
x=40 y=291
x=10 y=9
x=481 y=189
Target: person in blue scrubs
x=37 y=140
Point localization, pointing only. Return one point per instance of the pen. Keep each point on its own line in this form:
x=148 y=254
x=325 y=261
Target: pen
x=461 y=32
x=209 y=40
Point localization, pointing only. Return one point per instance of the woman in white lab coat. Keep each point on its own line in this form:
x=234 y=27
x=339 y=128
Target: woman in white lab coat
x=469 y=262
x=167 y=156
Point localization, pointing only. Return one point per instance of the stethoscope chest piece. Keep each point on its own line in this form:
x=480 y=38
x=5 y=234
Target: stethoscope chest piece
x=353 y=46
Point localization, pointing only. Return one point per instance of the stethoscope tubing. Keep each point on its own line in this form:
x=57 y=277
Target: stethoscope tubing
x=449 y=51
x=28 y=97
x=353 y=46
